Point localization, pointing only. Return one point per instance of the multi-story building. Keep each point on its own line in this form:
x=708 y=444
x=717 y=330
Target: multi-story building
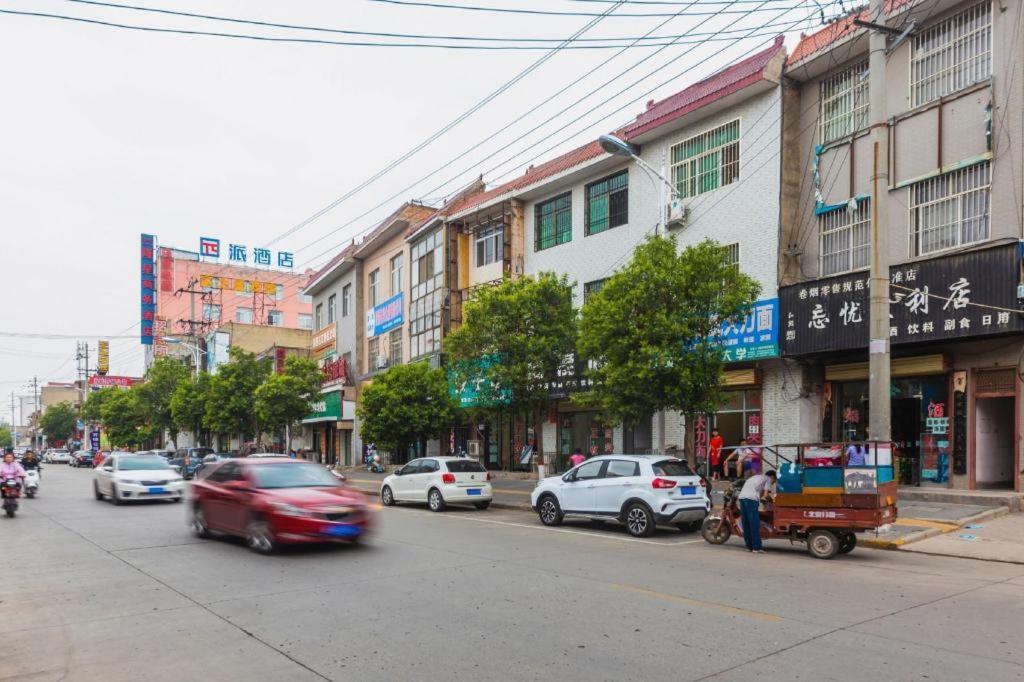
x=584 y=212
x=955 y=125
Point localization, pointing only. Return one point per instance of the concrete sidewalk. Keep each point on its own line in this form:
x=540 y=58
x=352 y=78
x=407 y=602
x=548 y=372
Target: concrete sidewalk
x=996 y=539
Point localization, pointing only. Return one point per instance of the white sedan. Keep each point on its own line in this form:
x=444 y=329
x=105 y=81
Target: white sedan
x=439 y=481
x=57 y=457
x=124 y=477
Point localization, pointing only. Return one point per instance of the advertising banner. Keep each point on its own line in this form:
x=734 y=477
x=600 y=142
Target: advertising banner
x=756 y=337
x=385 y=317
x=326 y=409
x=103 y=361
x=148 y=287
x=97 y=381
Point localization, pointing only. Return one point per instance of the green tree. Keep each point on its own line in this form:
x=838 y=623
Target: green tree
x=515 y=339
x=407 y=404
x=162 y=378
x=188 y=406
x=124 y=418
x=58 y=421
x=6 y=439
x=93 y=406
x=283 y=399
x=648 y=336
x=229 y=409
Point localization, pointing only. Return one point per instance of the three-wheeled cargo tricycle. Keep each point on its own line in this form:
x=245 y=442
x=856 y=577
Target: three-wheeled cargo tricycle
x=825 y=494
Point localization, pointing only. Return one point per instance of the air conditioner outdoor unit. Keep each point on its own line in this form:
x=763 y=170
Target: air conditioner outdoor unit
x=677 y=213
x=474 y=448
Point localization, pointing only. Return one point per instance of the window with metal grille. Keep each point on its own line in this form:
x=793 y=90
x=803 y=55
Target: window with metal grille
x=950 y=210
x=951 y=55
x=591 y=288
x=427 y=295
x=733 y=254
x=372 y=353
x=346 y=300
x=395 y=342
x=319 y=316
x=608 y=203
x=396 y=274
x=553 y=222
x=275 y=318
x=490 y=245
x=844 y=102
x=707 y=161
x=332 y=308
x=845 y=238
x=375 y=287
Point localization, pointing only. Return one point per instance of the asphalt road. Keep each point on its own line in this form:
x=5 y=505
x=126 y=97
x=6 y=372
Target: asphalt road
x=97 y=592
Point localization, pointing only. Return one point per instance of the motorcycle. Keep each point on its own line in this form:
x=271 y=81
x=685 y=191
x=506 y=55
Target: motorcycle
x=373 y=464
x=31 y=482
x=10 y=490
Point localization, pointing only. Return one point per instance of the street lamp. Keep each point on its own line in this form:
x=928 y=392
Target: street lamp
x=617 y=147
x=196 y=350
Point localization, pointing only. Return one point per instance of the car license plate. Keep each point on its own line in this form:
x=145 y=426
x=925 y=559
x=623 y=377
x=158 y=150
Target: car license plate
x=156 y=491
x=688 y=490
x=341 y=531
x=473 y=491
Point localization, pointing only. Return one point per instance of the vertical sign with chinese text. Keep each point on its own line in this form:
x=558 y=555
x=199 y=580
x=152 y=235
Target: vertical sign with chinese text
x=148 y=293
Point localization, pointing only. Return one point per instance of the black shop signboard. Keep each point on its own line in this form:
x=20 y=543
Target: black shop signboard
x=960 y=296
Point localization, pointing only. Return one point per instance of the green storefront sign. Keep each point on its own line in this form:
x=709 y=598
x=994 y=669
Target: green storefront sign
x=478 y=391
x=326 y=409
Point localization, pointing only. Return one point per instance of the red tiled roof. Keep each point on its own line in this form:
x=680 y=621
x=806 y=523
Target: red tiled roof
x=838 y=29
x=718 y=85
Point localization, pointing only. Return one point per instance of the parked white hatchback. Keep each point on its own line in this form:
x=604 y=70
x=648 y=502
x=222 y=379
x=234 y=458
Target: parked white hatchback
x=439 y=481
x=124 y=477
x=638 y=491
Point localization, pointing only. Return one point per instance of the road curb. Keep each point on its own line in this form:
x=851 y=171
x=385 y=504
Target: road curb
x=917 y=536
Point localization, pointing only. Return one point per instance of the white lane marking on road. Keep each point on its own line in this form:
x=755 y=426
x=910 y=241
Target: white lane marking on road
x=589 y=534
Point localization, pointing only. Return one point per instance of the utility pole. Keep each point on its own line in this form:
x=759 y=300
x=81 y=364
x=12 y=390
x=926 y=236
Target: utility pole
x=36 y=442
x=14 y=424
x=879 y=378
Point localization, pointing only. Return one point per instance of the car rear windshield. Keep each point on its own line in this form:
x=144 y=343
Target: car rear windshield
x=292 y=476
x=672 y=467
x=199 y=452
x=465 y=466
x=144 y=463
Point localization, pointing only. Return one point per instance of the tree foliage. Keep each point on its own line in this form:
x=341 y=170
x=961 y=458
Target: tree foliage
x=92 y=408
x=162 y=378
x=58 y=421
x=125 y=419
x=229 y=407
x=6 y=439
x=648 y=336
x=188 y=404
x=407 y=404
x=515 y=338
x=283 y=399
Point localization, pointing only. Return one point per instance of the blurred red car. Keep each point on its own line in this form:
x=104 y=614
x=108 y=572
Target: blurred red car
x=276 y=501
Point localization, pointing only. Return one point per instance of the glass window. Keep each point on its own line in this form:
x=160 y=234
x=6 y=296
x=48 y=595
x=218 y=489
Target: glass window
x=672 y=467
x=141 y=463
x=346 y=300
x=429 y=466
x=490 y=245
x=396 y=274
x=591 y=288
x=707 y=161
x=589 y=470
x=243 y=315
x=292 y=475
x=413 y=467
x=279 y=292
x=427 y=296
x=845 y=238
x=553 y=222
x=375 y=287
x=331 y=308
x=465 y=466
x=618 y=468
x=951 y=55
x=395 y=339
x=211 y=312
x=319 y=316
x=229 y=471
x=373 y=353
x=275 y=318
x=607 y=203
x=305 y=298
x=950 y=210
x=305 y=321
x=844 y=102
x=733 y=254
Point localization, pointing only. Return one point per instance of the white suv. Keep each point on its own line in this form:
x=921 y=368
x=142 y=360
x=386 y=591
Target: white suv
x=639 y=491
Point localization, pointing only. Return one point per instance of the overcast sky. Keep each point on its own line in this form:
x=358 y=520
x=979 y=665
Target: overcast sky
x=110 y=132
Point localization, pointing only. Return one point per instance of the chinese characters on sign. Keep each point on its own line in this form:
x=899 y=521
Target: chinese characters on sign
x=148 y=297
x=239 y=253
x=962 y=295
x=246 y=286
x=385 y=317
x=757 y=336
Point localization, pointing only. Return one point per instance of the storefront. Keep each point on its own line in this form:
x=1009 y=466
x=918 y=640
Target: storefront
x=323 y=422
x=955 y=339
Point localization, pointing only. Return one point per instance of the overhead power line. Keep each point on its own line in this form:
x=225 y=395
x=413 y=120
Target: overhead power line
x=545 y=12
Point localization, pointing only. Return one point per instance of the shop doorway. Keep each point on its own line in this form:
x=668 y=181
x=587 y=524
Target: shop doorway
x=906 y=433
x=993 y=442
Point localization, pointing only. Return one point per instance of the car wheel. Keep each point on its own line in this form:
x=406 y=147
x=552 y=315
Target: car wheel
x=715 y=530
x=114 y=497
x=822 y=544
x=482 y=505
x=387 y=498
x=847 y=541
x=639 y=520
x=199 y=527
x=259 y=538
x=434 y=500
x=549 y=511
x=96 y=491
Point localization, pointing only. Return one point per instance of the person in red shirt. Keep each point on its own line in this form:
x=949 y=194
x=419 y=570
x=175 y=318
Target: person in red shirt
x=715 y=454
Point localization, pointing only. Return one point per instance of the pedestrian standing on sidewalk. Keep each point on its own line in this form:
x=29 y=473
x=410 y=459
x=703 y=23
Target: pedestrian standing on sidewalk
x=756 y=487
x=577 y=457
x=715 y=445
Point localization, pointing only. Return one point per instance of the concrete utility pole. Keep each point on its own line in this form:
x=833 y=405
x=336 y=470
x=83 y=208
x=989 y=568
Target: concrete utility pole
x=36 y=440
x=878 y=389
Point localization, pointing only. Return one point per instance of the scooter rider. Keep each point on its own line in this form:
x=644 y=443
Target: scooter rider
x=31 y=461
x=11 y=469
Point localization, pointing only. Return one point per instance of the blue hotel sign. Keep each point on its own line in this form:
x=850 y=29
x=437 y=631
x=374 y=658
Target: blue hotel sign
x=756 y=336
x=385 y=317
x=209 y=247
